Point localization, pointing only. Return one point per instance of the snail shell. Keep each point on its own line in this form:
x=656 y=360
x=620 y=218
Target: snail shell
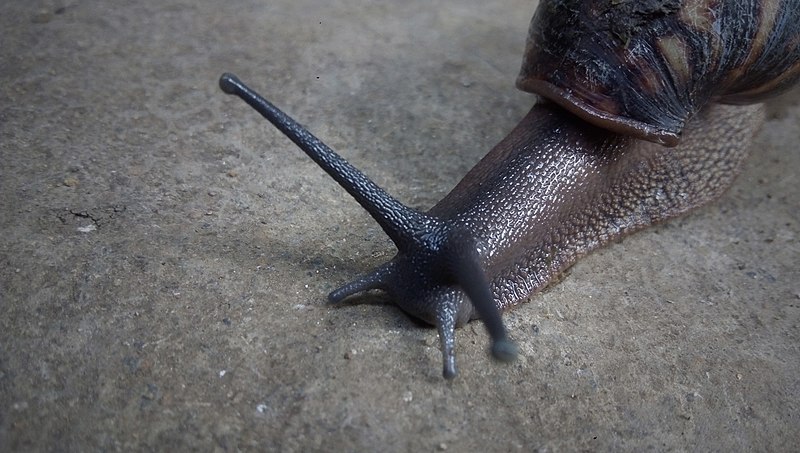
x=645 y=68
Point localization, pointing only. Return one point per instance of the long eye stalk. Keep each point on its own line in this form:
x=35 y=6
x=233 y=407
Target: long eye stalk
x=397 y=220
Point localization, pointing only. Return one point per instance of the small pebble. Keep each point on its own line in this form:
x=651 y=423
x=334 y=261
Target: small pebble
x=87 y=229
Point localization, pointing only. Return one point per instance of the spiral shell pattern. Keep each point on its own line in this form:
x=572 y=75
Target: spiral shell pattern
x=645 y=67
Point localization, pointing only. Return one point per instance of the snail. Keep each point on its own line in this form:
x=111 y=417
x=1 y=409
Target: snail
x=645 y=111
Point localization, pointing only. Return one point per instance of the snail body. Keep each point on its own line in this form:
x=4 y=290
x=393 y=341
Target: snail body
x=639 y=123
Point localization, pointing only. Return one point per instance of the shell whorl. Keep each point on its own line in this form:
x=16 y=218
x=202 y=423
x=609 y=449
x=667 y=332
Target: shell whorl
x=644 y=68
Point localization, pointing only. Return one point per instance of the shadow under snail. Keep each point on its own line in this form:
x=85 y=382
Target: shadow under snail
x=646 y=111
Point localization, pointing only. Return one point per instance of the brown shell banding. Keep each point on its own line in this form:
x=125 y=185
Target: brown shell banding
x=699 y=15
x=648 y=77
x=773 y=53
x=676 y=54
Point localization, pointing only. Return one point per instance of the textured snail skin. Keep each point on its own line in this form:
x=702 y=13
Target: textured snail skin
x=557 y=188
x=566 y=180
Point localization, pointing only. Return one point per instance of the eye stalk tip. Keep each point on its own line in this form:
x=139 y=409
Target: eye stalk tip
x=229 y=83
x=450 y=371
x=504 y=350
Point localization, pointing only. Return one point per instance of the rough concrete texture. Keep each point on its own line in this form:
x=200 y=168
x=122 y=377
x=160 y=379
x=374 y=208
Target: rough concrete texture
x=166 y=254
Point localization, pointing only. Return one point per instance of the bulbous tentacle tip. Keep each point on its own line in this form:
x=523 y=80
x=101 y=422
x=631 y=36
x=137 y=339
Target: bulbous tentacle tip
x=450 y=370
x=377 y=279
x=343 y=292
x=505 y=350
x=446 y=325
x=229 y=83
x=339 y=294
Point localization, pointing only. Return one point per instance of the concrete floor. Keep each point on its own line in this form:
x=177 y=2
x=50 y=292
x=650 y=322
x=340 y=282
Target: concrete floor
x=166 y=254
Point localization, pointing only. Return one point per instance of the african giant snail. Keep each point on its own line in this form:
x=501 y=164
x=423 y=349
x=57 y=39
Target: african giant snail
x=647 y=109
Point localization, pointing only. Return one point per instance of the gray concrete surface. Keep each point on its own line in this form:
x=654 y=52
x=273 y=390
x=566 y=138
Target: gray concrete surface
x=165 y=254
